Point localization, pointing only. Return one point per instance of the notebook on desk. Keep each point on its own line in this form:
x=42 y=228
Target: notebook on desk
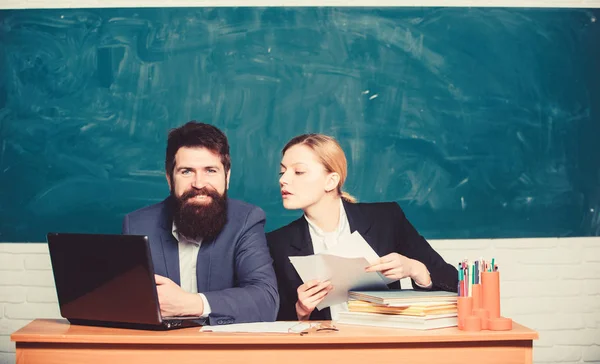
x=108 y=280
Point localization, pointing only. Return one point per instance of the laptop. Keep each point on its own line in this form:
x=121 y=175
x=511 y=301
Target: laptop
x=108 y=280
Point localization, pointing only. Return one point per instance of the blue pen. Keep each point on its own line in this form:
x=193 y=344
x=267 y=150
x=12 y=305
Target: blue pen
x=460 y=280
x=459 y=277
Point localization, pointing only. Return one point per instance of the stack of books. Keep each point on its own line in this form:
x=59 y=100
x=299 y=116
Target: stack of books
x=407 y=309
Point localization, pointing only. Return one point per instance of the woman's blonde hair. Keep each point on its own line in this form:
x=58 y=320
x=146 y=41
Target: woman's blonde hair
x=331 y=155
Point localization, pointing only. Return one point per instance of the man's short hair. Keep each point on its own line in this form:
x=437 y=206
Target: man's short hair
x=196 y=135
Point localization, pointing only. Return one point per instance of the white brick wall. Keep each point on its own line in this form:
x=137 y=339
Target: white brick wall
x=550 y=285
x=26 y=291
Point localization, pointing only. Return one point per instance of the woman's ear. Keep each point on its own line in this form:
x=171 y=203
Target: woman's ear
x=333 y=179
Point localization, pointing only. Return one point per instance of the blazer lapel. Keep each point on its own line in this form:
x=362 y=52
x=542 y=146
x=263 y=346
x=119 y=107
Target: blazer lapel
x=169 y=245
x=171 y=254
x=300 y=241
x=358 y=221
x=203 y=265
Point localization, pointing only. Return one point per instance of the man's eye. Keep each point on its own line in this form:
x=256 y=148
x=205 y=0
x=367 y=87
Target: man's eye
x=186 y=171
x=212 y=171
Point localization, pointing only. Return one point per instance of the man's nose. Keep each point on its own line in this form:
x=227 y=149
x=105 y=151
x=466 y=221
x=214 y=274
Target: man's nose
x=198 y=181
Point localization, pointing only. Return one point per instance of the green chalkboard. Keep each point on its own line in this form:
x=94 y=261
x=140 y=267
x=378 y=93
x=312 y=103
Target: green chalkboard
x=480 y=122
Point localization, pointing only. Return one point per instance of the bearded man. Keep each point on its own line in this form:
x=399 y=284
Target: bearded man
x=209 y=252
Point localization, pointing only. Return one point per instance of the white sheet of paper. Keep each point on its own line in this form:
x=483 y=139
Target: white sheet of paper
x=258 y=327
x=354 y=247
x=345 y=274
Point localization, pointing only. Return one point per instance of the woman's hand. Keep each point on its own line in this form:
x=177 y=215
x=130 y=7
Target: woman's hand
x=398 y=266
x=310 y=294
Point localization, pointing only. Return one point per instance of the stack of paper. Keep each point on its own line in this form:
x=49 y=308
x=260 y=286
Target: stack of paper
x=420 y=309
x=403 y=297
x=398 y=321
x=406 y=309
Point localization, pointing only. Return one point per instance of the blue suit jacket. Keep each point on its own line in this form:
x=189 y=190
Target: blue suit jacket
x=234 y=270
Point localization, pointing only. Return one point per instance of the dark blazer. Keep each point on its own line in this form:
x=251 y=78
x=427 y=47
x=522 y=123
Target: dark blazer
x=382 y=225
x=234 y=271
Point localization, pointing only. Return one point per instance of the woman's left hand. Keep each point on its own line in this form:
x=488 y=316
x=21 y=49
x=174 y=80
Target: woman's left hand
x=396 y=266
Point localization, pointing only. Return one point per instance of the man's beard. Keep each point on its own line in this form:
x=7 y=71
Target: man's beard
x=200 y=221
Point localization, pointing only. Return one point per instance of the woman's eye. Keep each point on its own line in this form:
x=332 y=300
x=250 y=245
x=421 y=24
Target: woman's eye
x=298 y=173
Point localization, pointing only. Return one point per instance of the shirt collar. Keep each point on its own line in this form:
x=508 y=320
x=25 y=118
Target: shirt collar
x=317 y=231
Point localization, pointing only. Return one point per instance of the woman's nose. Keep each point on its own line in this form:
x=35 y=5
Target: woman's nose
x=283 y=180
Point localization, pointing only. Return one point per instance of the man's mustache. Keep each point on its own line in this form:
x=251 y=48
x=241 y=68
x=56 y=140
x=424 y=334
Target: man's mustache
x=199 y=192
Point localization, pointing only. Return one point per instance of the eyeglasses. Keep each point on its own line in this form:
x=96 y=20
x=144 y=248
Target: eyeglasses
x=304 y=328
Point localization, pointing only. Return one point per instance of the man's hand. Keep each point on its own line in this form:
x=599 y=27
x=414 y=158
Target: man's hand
x=174 y=301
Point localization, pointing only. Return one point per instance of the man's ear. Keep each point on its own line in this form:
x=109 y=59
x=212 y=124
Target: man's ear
x=333 y=179
x=168 y=180
x=228 y=175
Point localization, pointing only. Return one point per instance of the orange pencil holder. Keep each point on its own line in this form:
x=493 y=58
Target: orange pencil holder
x=476 y=293
x=490 y=300
x=481 y=311
x=491 y=293
x=466 y=320
x=478 y=309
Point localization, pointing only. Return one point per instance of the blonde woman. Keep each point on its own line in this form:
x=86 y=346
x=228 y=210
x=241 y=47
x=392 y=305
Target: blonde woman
x=313 y=172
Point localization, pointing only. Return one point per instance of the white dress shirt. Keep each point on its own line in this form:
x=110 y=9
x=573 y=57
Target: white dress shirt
x=188 y=257
x=323 y=241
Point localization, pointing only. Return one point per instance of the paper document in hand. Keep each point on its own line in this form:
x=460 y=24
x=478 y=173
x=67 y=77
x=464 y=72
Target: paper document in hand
x=354 y=247
x=345 y=274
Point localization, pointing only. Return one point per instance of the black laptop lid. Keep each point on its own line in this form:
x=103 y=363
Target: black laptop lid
x=104 y=277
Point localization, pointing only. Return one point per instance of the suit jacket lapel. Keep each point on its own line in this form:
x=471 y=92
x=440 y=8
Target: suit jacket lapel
x=301 y=243
x=203 y=265
x=169 y=245
x=170 y=248
x=171 y=254
x=358 y=221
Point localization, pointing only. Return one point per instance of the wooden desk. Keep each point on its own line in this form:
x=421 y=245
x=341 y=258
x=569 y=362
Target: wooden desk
x=55 y=341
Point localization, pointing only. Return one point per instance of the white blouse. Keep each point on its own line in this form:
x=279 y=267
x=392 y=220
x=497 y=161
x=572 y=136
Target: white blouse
x=323 y=241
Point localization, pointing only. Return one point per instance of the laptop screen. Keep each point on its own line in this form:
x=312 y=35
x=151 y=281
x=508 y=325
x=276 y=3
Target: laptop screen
x=104 y=277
